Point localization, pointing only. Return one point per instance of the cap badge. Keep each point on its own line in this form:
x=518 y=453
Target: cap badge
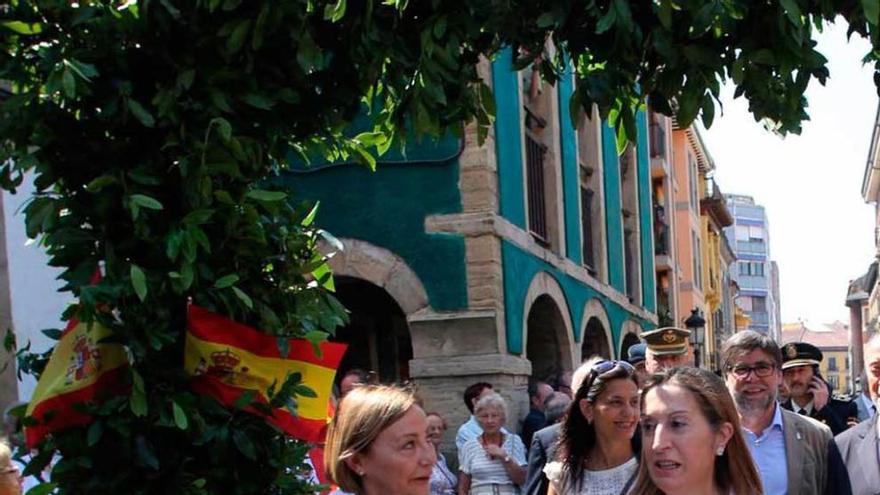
x=790 y=351
x=669 y=336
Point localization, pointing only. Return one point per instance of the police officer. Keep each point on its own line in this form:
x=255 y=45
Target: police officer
x=667 y=347
x=809 y=394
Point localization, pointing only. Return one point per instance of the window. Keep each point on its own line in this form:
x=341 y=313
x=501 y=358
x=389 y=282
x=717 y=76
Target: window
x=745 y=302
x=589 y=146
x=832 y=364
x=692 y=180
x=759 y=304
x=756 y=232
x=758 y=269
x=542 y=164
x=697 y=261
x=630 y=219
x=742 y=232
x=832 y=380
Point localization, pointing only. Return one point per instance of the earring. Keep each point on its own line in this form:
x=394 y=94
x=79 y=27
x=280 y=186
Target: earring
x=360 y=473
x=720 y=451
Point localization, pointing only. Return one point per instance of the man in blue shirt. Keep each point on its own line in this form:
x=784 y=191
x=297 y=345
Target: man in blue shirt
x=794 y=454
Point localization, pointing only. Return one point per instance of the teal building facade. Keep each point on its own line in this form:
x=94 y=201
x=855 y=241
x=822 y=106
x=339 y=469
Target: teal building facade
x=499 y=261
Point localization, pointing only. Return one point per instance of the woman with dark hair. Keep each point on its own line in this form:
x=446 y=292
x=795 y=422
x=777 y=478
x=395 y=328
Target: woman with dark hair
x=596 y=453
x=692 y=442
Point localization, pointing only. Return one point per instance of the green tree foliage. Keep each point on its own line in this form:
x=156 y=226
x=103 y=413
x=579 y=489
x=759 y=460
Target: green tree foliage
x=154 y=129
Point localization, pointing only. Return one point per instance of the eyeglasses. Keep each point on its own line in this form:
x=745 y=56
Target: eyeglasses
x=761 y=370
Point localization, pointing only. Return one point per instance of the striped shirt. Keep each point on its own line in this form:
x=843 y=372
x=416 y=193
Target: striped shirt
x=474 y=461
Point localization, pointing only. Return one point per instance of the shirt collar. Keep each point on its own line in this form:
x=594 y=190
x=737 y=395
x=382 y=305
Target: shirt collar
x=806 y=407
x=777 y=417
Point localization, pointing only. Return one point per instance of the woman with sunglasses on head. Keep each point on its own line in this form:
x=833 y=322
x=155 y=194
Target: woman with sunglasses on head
x=691 y=436
x=596 y=454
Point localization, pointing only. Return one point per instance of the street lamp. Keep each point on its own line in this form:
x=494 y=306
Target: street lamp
x=697 y=325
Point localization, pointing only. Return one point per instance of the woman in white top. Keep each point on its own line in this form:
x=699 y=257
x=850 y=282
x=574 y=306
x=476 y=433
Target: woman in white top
x=494 y=462
x=596 y=453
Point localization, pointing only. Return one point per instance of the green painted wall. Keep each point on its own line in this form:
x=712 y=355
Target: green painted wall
x=388 y=208
x=520 y=268
x=570 y=179
x=646 y=219
x=613 y=217
x=508 y=139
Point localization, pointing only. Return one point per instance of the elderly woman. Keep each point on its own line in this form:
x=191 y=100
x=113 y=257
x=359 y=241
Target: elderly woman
x=443 y=481
x=377 y=444
x=596 y=452
x=10 y=476
x=691 y=438
x=494 y=462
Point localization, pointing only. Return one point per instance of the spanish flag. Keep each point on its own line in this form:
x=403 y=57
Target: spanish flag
x=226 y=359
x=81 y=369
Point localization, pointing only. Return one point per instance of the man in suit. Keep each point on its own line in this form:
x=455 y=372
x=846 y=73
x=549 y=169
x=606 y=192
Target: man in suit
x=860 y=445
x=864 y=403
x=543 y=446
x=809 y=395
x=535 y=420
x=794 y=454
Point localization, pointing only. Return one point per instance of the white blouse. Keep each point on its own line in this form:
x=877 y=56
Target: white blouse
x=606 y=482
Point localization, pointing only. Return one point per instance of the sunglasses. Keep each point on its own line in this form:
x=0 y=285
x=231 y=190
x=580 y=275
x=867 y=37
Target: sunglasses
x=607 y=365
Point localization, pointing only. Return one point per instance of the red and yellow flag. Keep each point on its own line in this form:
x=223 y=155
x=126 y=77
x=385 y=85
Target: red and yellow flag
x=81 y=369
x=226 y=359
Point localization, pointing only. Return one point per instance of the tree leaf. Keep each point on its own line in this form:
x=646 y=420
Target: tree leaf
x=68 y=83
x=146 y=202
x=238 y=37
x=140 y=113
x=310 y=217
x=246 y=299
x=225 y=282
x=794 y=11
x=94 y=434
x=101 y=182
x=872 y=12
x=23 y=27
x=139 y=282
x=179 y=416
x=263 y=195
x=138 y=398
x=244 y=444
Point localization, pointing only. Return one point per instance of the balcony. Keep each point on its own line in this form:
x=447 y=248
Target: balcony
x=659 y=161
x=658 y=140
x=759 y=318
x=751 y=247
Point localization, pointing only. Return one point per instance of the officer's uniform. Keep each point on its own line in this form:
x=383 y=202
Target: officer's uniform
x=837 y=412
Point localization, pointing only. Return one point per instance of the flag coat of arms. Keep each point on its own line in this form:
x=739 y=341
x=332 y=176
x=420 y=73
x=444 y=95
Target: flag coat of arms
x=226 y=359
x=81 y=369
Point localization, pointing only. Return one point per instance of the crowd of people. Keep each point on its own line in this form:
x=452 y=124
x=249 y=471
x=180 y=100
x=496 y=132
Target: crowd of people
x=764 y=423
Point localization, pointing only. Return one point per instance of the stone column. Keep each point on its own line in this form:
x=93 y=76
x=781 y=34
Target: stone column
x=855 y=337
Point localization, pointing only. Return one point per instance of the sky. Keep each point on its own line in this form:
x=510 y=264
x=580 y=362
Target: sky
x=821 y=230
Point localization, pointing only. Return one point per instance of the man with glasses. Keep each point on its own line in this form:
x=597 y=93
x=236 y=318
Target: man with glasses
x=794 y=454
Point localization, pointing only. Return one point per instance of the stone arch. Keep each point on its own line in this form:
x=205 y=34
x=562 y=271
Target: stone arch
x=595 y=331
x=382 y=293
x=381 y=267
x=629 y=335
x=552 y=351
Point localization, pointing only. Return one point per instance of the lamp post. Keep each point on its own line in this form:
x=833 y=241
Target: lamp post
x=697 y=325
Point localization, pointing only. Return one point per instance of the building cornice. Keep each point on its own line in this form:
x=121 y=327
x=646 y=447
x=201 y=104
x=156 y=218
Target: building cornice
x=871 y=179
